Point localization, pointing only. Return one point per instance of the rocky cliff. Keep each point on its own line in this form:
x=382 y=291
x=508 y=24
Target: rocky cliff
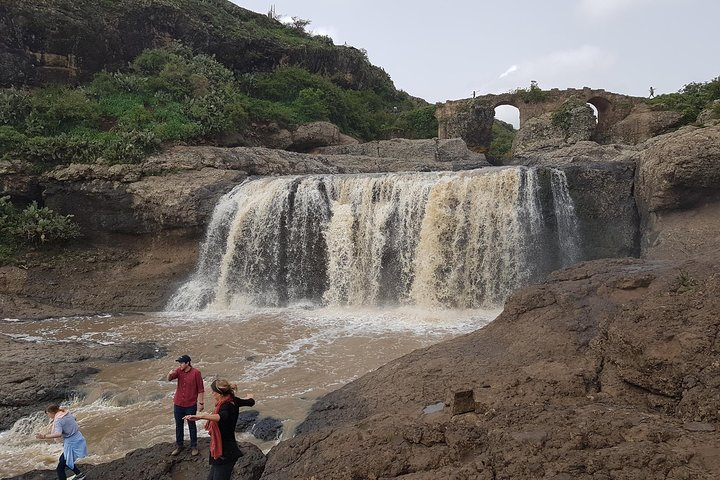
x=66 y=41
x=607 y=370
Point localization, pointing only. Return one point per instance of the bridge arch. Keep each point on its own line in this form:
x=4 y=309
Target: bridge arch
x=471 y=119
x=508 y=112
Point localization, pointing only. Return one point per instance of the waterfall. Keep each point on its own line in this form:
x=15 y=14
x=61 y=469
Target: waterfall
x=567 y=222
x=451 y=239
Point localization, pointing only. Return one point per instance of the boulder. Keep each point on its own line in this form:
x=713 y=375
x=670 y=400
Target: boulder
x=679 y=170
x=643 y=123
x=710 y=115
x=571 y=123
x=265 y=428
x=318 y=134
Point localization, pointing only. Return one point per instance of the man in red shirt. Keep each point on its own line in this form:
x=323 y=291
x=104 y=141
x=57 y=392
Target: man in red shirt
x=189 y=395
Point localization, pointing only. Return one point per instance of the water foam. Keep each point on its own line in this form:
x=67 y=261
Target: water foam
x=458 y=240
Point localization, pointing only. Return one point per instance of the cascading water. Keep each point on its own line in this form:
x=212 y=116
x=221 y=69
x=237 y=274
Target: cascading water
x=461 y=240
x=567 y=222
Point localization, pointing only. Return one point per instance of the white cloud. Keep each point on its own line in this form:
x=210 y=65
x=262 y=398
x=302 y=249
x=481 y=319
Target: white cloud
x=562 y=69
x=513 y=68
x=608 y=8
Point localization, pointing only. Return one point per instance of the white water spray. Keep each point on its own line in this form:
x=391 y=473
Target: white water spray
x=461 y=240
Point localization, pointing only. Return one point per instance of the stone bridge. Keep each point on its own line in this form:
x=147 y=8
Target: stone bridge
x=471 y=119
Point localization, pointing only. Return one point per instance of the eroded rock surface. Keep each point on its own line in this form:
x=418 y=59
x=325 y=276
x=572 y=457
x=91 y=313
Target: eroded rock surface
x=607 y=370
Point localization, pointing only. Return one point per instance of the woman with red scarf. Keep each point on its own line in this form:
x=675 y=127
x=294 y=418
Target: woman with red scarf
x=224 y=451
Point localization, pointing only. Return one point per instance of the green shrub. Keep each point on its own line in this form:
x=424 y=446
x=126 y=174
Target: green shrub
x=10 y=139
x=503 y=135
x=32 y=226
x=61 y=109
x=417 y=123
x=128 y=147
x=47 y=152
x=690 y=100
x=36 y=225
x=311 y=105
x=534 y=94
x=15 y=106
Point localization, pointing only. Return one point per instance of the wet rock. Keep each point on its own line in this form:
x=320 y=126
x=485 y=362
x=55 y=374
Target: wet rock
x=263 y=428
x=246 y=419
x=41 y=374
x=155 y=463
x=267 y=429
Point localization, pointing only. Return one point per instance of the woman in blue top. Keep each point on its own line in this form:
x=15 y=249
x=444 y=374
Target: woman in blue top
x=74 y=447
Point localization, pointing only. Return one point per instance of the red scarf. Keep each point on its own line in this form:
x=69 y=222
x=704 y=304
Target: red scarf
x=213 y=428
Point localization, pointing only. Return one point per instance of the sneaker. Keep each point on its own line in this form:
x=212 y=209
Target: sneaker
x=176 y=451
x=194 y=452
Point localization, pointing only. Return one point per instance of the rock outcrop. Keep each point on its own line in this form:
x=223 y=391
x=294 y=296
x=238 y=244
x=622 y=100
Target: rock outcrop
x=179 y=188
x=606 y=370
x=454 y=151
x=643 y=123
x=585 y=151
x=602 y=192
x=573 y=122
x=154 y=463
x=678 y=172
x=67 y=41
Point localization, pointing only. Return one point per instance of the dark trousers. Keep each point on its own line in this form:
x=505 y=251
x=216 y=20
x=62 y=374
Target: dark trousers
x=221 y=472
x=62 y=466
x=180 y=412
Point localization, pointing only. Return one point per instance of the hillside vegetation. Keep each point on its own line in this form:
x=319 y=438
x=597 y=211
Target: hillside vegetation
x=692 y=99
x=222 y=69
x=173 y=95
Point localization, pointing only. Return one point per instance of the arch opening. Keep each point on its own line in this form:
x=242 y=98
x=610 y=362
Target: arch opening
x=595 y=111
x=505 y=125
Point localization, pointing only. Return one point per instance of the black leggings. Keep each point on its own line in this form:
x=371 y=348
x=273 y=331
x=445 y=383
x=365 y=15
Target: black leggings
x=62 y=466
x=221 y=472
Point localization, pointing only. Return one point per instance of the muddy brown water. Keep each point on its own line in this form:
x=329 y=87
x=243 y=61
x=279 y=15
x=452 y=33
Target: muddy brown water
x=286 y=358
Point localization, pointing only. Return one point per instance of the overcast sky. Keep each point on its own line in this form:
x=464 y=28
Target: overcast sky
x=443 y=50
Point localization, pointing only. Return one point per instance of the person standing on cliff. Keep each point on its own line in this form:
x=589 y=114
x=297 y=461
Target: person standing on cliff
x=652 y=92
x=65 y=426
x=189 y=398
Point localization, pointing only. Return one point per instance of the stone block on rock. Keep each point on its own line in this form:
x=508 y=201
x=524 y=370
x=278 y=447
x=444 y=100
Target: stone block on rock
x=462 y=401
